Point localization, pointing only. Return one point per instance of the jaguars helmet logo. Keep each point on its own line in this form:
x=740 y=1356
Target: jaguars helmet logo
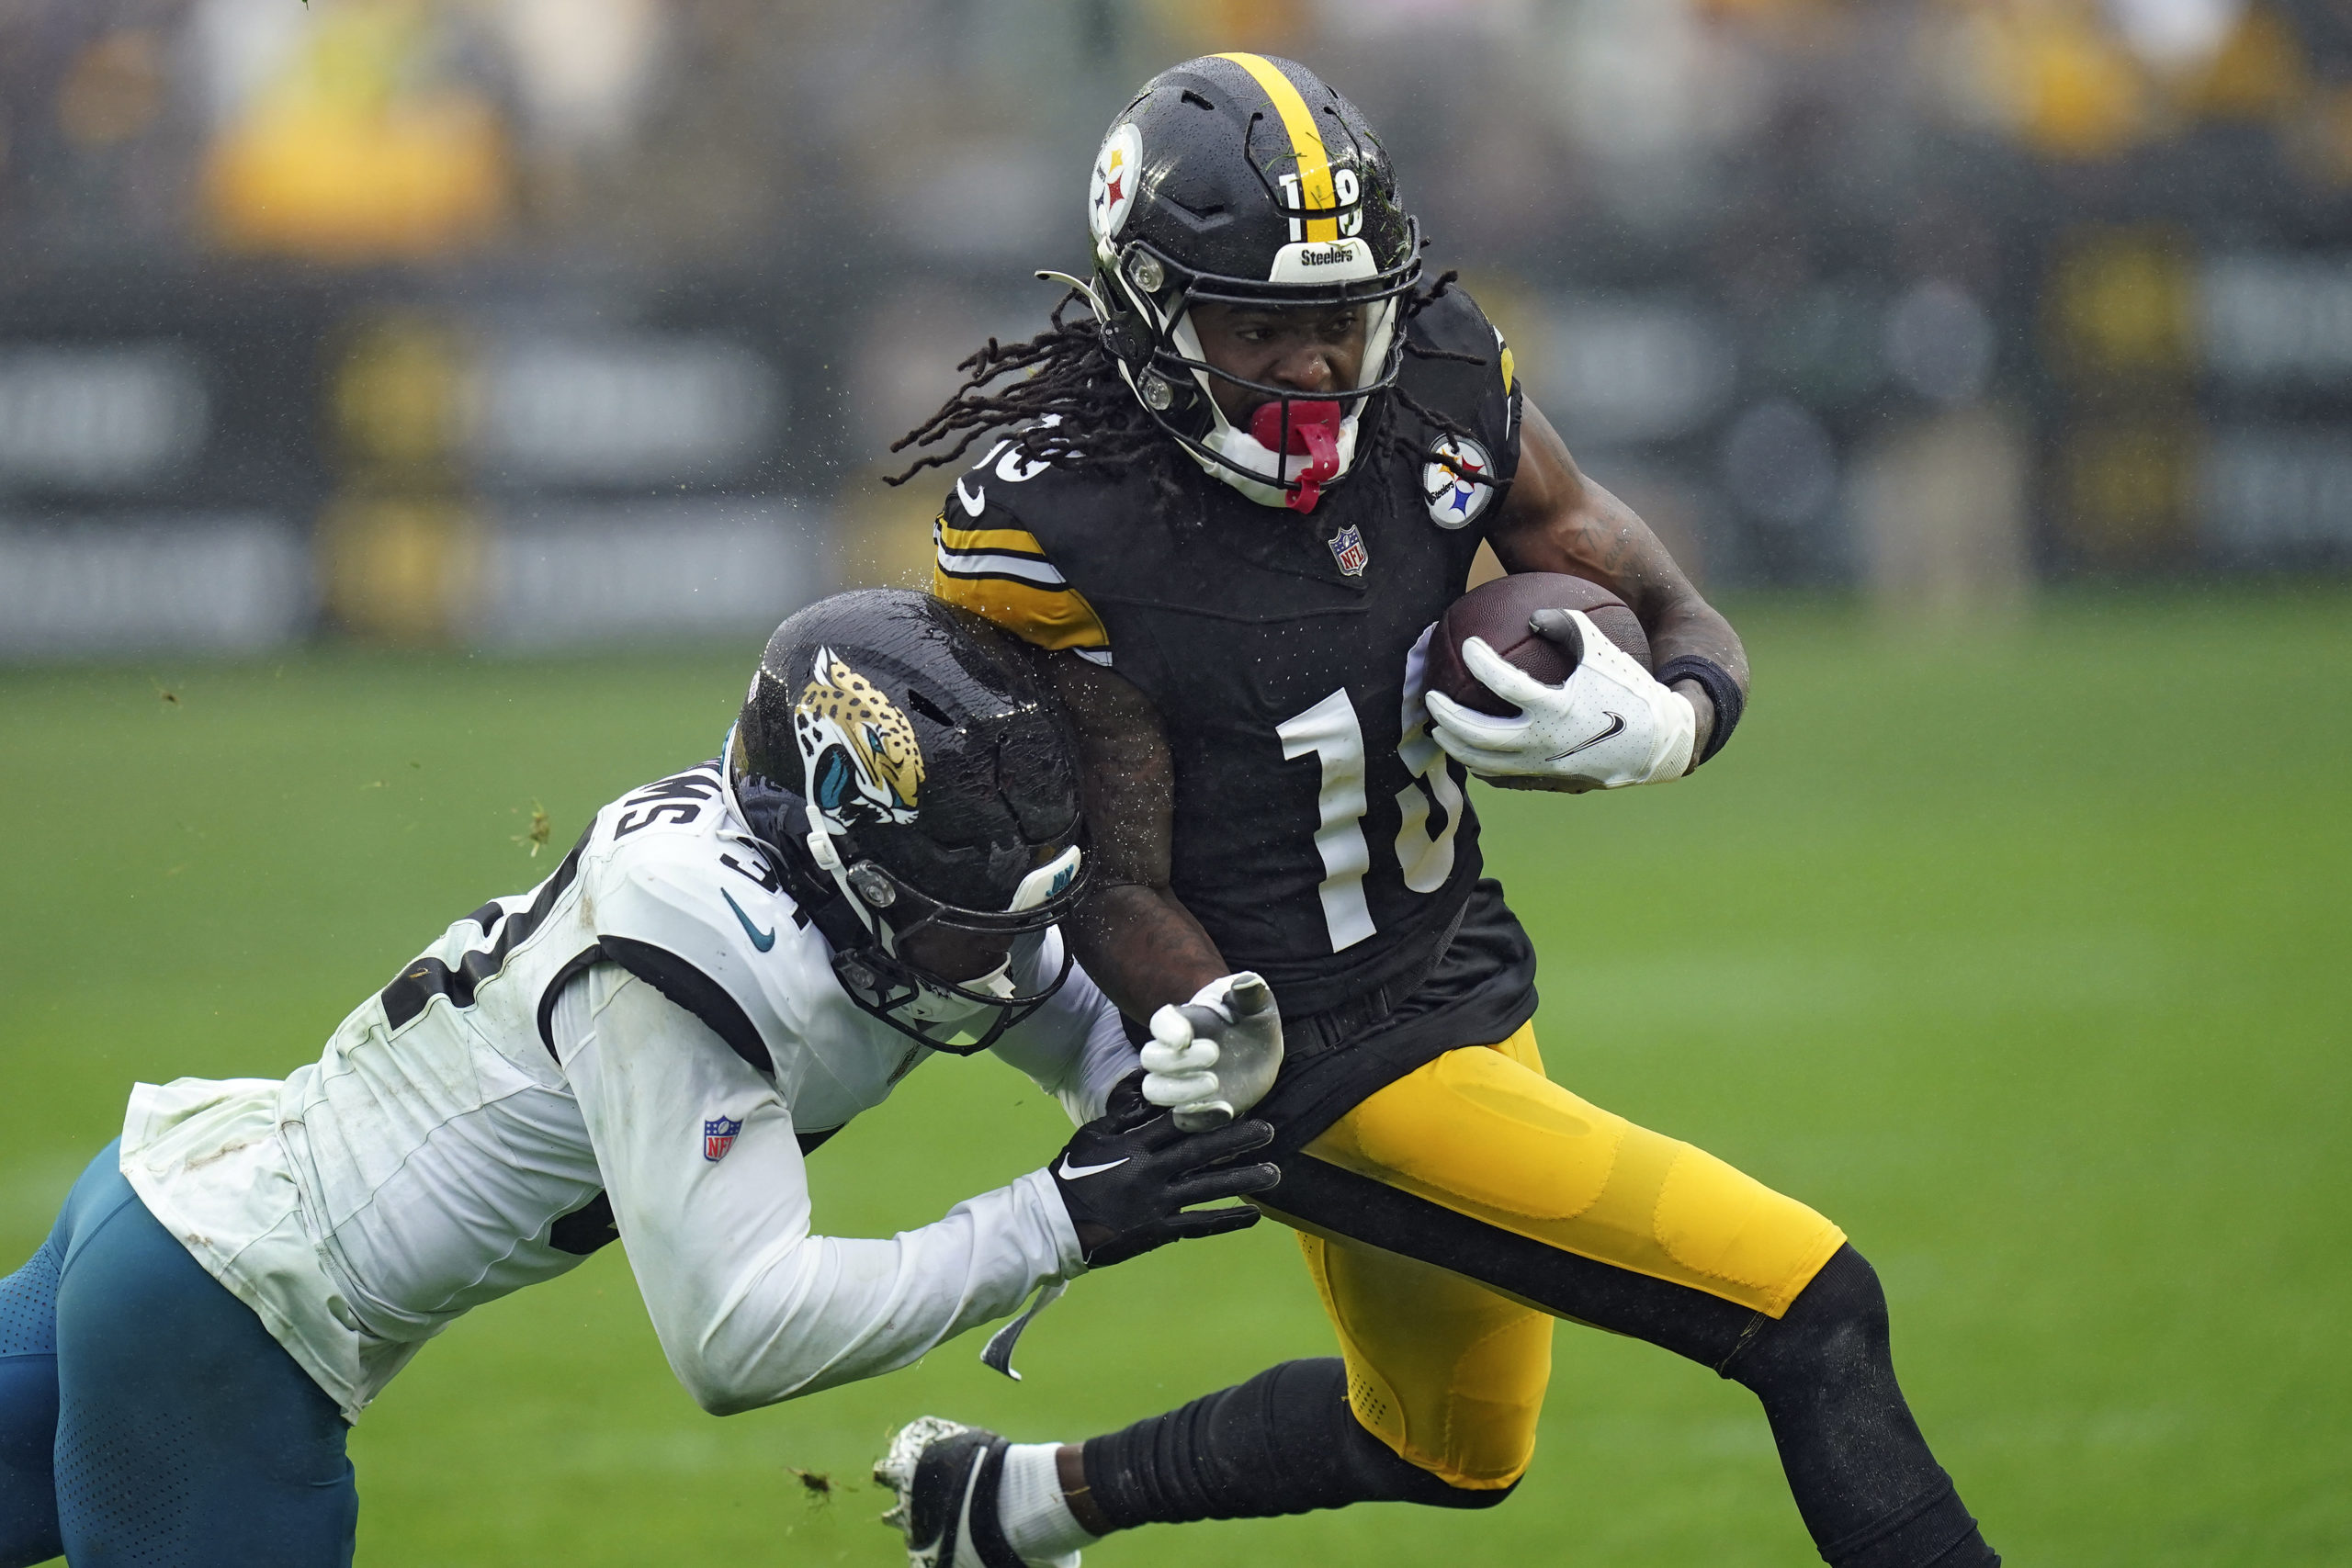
x=857 y=749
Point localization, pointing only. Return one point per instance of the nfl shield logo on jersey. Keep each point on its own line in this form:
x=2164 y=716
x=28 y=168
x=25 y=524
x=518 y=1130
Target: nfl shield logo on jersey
x=1346 y=546
x=718 y=1136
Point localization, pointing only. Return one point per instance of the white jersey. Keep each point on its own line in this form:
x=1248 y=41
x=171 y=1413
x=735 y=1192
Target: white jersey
x=648 y=1041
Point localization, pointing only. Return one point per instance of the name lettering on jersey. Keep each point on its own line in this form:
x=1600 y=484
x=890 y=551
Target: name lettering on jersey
x=1451 y=481
x=674 y=800
x=718 y=1136
x=1347 y=549
x=405 y=999
x=858 y=751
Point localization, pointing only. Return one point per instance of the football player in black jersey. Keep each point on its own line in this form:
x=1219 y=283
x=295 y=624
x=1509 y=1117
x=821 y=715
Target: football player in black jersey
x=1236 y=485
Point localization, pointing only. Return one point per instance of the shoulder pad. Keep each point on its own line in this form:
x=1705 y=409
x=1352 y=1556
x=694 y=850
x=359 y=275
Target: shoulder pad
x=1481 y=397
x=988 y=557
x=679 y=894
x=1453 y=321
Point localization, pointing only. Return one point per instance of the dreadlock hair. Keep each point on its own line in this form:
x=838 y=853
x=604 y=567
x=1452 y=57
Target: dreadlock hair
x=1071 y=408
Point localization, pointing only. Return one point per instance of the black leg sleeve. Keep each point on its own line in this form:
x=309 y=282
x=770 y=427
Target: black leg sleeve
x=1870 y=1491
x=1284 y=1442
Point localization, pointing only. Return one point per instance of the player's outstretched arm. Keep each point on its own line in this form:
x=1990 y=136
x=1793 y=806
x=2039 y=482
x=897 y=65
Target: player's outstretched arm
x=1557 y=519
x=751 y=1307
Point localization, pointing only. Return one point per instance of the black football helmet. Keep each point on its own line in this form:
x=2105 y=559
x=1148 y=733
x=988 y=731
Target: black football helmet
x=909 y=770
x=1244 y=180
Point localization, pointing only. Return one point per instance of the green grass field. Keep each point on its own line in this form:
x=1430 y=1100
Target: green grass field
x=2026 y=962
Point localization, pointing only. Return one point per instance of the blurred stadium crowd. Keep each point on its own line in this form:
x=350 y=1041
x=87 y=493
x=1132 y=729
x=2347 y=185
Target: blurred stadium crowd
x=523 y=323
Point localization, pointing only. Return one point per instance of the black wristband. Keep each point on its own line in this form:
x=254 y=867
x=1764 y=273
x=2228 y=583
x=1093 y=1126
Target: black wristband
x=1721 y=689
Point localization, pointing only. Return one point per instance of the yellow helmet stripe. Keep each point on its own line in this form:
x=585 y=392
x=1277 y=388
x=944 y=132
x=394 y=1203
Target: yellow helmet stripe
x=1313 y=163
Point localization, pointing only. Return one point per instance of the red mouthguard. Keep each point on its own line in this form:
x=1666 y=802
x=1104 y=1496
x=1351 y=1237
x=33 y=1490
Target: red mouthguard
x=1314 y=434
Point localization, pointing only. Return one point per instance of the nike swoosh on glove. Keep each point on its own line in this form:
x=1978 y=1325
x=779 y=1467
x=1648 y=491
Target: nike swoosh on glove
x=1217 y=1056
x=1129 y=1176
x=1608 y=724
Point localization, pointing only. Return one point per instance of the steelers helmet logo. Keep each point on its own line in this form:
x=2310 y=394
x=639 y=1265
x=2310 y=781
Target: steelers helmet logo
x=1455 y=497
x=1112 y=194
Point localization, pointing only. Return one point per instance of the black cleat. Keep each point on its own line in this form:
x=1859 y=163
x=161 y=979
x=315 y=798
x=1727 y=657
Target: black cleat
x=945 y=1477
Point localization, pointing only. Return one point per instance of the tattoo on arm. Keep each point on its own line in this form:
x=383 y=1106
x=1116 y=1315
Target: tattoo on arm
x=1135 y=937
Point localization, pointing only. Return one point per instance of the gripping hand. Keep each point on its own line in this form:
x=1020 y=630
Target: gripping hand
x=1217 y=1056
x=1127 y=1175
x=1608 y=724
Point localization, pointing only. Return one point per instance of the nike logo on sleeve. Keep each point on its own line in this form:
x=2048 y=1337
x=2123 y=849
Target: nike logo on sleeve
x=760 y=939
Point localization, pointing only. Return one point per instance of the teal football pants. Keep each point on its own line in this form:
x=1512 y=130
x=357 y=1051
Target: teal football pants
x=146 y=1417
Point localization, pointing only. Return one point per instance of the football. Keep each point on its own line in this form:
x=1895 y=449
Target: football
x=1499 y=611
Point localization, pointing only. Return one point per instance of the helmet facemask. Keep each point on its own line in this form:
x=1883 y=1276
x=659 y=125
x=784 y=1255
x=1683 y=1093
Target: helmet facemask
x=1296 y=442
x=919 y=1002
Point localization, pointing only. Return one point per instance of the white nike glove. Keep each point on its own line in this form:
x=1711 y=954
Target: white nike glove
x=1217 y=1056
x=1608 y=724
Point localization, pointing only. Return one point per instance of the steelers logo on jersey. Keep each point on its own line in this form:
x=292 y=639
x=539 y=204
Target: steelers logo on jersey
x=1455 y=497
x=1112 y=194
x=859 y=753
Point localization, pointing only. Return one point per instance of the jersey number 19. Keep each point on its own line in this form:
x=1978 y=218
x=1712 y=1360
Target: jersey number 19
x=1331 y=733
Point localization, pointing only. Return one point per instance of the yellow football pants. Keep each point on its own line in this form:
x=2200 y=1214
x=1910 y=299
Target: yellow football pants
x=1448 y=1372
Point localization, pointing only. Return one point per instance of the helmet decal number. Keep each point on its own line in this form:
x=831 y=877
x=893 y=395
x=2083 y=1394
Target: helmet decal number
x=1347 y=192
x=1111 y=195
x=1350 y=191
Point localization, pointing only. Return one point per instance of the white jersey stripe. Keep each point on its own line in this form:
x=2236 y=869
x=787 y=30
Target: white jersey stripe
x=993 y=563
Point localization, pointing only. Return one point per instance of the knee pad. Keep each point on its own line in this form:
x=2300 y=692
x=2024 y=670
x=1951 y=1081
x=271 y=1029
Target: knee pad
x=1388 y=1436
x=1366 y=1468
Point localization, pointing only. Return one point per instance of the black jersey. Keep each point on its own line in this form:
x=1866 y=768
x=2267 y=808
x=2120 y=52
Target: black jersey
x=1321 y=838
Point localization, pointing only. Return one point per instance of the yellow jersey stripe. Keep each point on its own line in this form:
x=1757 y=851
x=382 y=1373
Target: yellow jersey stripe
x=1052 y=618
x=1314 y=162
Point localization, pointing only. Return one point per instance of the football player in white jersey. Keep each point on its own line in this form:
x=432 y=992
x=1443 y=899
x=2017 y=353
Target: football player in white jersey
x=729 y=965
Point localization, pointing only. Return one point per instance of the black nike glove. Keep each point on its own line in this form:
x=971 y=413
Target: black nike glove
x=1127 y=1175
